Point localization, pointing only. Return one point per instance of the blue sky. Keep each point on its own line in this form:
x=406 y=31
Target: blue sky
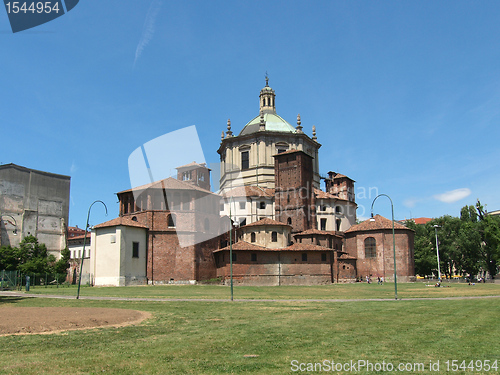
x=405 y=96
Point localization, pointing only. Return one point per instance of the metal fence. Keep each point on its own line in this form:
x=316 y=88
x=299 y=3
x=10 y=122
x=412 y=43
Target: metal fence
x=15 y=280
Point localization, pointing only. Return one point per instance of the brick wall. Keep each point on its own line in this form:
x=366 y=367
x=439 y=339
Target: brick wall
x=383 y=264
x=276 y=267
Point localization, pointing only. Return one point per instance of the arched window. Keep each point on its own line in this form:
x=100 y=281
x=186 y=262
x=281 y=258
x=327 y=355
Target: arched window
x=274 y=236
x=252 y=237
x=171 y=221
x=289 y=221
x=370 y=247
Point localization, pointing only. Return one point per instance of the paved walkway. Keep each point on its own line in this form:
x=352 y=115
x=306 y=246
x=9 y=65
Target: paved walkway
x=26 y=295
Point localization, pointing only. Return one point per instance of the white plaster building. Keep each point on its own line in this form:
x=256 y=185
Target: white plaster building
x=120 y=246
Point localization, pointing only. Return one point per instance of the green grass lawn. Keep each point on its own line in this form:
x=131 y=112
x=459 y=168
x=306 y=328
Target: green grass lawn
x=334 y=291
x=202 y=337
x=213 y=337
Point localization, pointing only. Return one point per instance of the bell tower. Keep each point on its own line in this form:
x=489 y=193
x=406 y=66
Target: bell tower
x=295 y=202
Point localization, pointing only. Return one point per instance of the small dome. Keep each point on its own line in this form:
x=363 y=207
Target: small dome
x=274 y=123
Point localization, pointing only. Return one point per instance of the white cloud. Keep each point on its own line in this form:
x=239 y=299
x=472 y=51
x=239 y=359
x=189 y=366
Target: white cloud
x=73 y=167
x=410 y=202
x=453 y=195
x=149 y=28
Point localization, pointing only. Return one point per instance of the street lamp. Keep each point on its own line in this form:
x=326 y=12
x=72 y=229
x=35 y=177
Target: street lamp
x=231 y=246
x=84 y=241
x=393 y=241
x=437 y=250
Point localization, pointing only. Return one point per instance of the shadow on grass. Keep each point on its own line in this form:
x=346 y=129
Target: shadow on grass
x=13 y=299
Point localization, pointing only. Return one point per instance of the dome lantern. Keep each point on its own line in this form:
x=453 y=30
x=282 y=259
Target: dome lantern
x=267 y=98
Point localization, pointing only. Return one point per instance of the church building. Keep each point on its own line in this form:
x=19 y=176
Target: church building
x=285 y=230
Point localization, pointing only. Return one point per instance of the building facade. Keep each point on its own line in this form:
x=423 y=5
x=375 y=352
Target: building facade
x=34 y=203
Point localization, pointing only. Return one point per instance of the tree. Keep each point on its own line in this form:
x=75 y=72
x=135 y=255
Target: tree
x=469 y=239
x=469 y=242
x=489 y=229
x=62 y=265
x=33 y=256
x=447 y=234
x=9 y=260
x=425 y=260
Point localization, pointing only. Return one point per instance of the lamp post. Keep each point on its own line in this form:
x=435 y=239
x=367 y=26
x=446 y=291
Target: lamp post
x=84 y=241
x=393 y=242
x=231 y=247
x=437 y=251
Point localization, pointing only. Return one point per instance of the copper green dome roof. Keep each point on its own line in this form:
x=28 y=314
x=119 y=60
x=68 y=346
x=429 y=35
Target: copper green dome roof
x=274 y=123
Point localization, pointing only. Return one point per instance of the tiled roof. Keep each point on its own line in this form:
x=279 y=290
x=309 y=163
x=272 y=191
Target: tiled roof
x=246 y=246
x=320 y=194
x=79 y=237
x=266 y=221
x=122 y=220
x=169 y=183
x=345 y=256
x=316 y=231
x=243 y=245
x=338 y=175
x=379 y=223
x=249 y=191
x=290 y=152
x=421 y=220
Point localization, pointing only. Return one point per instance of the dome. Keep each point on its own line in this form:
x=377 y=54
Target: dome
x=274 y=123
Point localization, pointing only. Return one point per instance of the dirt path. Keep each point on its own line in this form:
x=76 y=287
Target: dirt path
x=26 y=320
